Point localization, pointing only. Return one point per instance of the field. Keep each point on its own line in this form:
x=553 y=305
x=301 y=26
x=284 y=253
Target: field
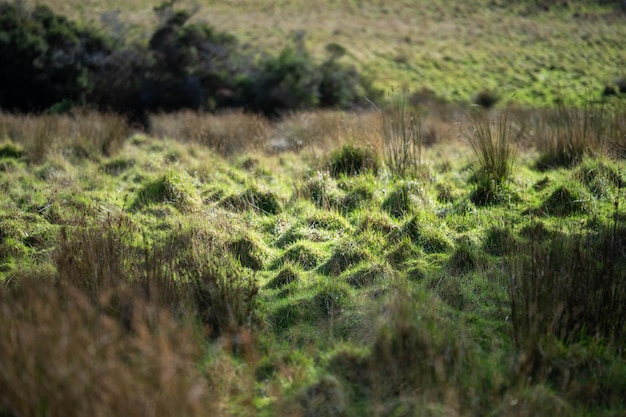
x=530 y=52
x=422 y=257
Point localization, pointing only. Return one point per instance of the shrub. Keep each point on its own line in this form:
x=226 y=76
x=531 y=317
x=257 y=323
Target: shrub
x=353 y=160
x=47 y=58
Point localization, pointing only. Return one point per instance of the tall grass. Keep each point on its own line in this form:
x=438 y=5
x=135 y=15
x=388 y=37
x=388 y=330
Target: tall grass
x=571 y=287
x=225 y=133
x=62 y=357
x=494 y=144
x=567 y=134
x=82 y=133
x=402 y=136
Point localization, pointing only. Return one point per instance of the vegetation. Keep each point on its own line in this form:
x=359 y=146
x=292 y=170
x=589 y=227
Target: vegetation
x=401 y=259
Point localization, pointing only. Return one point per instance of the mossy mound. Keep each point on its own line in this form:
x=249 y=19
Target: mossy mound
x=262 y=201
x=566 y=200
x=404 y=251
x=402 y=200
x=306 y=254
x=345 y=255
x=285 y=276
x=328 y=220
x=425 y=233
x=332 y=298
x=250 y=251
x=498 y=241
x=322 y=190
x=324 y=398
x=465 y=257
x=353 y=160
x=366 y=274
x=10 y=150
x=601 y=178
x=117 y=166
x=175 y=188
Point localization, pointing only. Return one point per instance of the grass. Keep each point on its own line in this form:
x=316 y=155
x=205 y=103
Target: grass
x=303 y=284
x=229 y=265
x=518 y=51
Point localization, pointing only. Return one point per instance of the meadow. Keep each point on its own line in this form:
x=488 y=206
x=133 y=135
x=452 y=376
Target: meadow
x=420 y=256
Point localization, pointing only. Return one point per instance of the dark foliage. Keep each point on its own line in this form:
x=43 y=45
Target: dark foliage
x=46 y=58
x=54 y=64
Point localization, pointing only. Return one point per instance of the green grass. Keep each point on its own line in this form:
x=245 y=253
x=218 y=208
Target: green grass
x=521 y=51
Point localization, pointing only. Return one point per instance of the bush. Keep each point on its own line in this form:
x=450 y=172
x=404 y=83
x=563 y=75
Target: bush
x=47 y=58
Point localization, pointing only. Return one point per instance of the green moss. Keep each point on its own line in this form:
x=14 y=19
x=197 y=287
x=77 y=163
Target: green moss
x=175 y=188
x=287 y=274
x=304 y=253
x=10 y=150
x=566 y=200
x=367 y=274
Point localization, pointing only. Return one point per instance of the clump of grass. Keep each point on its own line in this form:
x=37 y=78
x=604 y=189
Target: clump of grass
x=368 y=274
x=10 y=150
x=425 y=233
x=572 y=287
x=567 y=200
x=536 y=400
x=183 y=275
x=345 y=255
x=498 y=241
x=287 y=274
x=402 y=137
x=174 y=188
x=602 y=178
x=306 y=254
x=331 y=298
x=323 y=398
x=404 y=199
x=465 y=257
x=255 y=198
x=323 y=191
x=494 y=144
x=415 y=355
x=567 y=134
x=118 y=165
x=249 y=250
x=353 y=160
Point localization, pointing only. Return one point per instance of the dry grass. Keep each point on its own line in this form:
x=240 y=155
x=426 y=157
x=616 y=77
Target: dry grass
x=326 y=129
x=62 y=357
x=226 y=133
x=82 y=133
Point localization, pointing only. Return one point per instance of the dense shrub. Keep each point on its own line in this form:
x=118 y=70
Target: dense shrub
x=46 y=58
x=56 y=64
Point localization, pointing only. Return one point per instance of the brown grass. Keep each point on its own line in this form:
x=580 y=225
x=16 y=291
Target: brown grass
x=80 y=134
x=62 y=357
x=226 y=133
